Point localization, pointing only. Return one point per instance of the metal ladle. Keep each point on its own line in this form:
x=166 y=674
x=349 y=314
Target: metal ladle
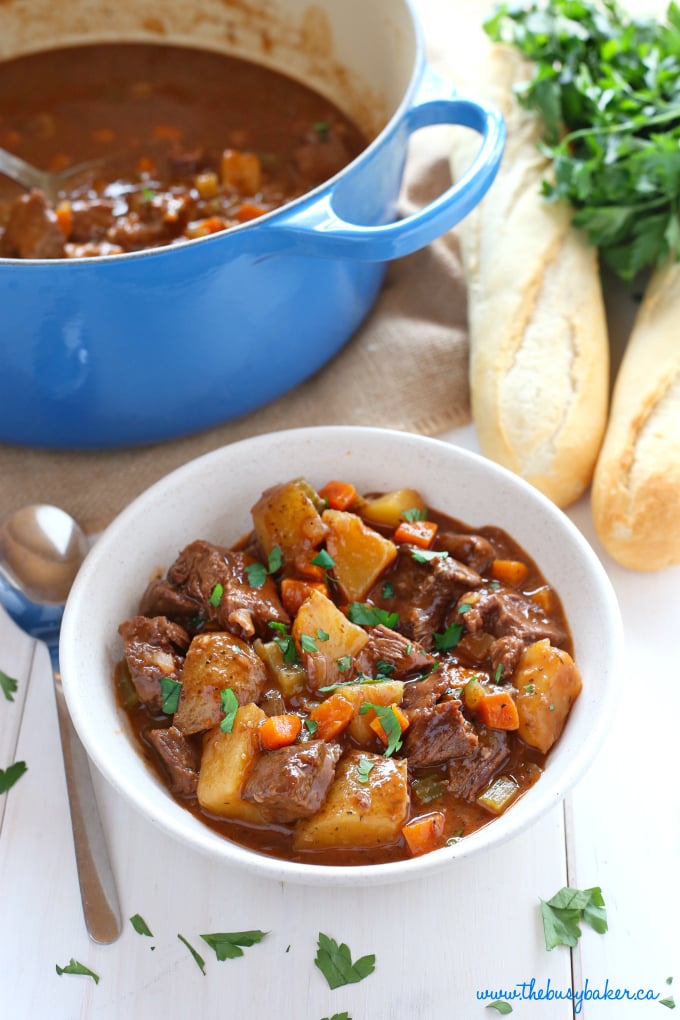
x=29 y=176
x=41 y=550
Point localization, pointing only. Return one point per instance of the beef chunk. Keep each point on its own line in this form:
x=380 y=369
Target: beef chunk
x=473 y=550
x=180 y=757
x=185 y=592
x=152 y=222
x=32 y=230
x=387 y=646
x=292 y=782
x=506 y=653
x=505 y=612
x=153 y=648
x=470 y=775
x=438 y=733
x=426 y=692
x=90 y=219
x=423 y=593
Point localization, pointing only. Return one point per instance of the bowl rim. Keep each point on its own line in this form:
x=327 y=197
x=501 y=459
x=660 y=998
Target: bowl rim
x=182 y=825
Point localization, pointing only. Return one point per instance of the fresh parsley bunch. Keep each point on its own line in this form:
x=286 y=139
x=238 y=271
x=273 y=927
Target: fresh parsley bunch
x=608 y=88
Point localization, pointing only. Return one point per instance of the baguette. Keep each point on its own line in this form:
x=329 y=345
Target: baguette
x=539 y=356
x=636 y=489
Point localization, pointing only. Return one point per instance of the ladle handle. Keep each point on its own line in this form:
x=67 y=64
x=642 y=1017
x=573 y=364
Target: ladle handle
x=95 y=874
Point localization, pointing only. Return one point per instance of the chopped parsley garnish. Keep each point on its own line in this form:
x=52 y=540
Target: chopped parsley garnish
x=229 y=704
x=285 y=643
x=338 y=1016
x=388 y=590
x=389 y=722
x=323 y=560
x=529 y=688
x=427 y=555
x=322 y=635
x=307 y=643
x=257 y=572
x=216 y=594
x=360 y=678
x=385 y=668
x=464 y=608
x=8 y=685
x=10 y=775
x=562 y=914
x=148 y=194
x=449 y=638
x=140 y=925
x=335 y=963
x=322 y=128
x=75 y=967
x=200 y=962
x=414 y=514
x=170 y=692
x=344 y=663
x=501 y=1006
x=498 y=673
x=669 y=1002
x=364 y=769
x=312 y=725
x=371 y=616
x=227 y=944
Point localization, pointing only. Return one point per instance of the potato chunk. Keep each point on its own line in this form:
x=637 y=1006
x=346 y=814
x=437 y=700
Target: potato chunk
x=547 y=683
x=359 y=814
x=359 y=552
x=214 y=661
x=286 y=516
x=390 y=508
x=318 y=614
x=387 y=692
x=226 y=762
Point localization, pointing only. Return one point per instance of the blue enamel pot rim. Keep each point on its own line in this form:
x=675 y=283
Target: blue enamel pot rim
x=310 y=225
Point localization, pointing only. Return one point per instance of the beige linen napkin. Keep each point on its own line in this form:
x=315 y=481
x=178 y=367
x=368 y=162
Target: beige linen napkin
x=406 y=368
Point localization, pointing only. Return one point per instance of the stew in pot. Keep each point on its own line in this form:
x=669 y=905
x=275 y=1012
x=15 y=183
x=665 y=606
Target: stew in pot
x=191 y=143
x=361 y=679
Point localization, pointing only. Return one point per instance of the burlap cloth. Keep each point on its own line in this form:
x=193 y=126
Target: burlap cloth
x=406 y=368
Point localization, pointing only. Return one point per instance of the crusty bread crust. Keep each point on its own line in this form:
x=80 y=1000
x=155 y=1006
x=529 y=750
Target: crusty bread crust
x=636 y=488
x=539 y=357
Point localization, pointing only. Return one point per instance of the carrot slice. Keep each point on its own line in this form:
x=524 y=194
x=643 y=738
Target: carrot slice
x=338 y=495
x=509 y=571
x=279 y=731
x=294 y=591
x=379 y=729
x=420 y=533
x=425 y=833
x=498 y=711
x=64 y=214
x=250 y=211
x=331 y=716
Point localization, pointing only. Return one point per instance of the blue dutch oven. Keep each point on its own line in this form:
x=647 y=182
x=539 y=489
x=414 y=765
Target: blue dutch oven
x=144 y=347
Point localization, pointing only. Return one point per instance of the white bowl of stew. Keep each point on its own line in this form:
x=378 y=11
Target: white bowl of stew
x=354 y=655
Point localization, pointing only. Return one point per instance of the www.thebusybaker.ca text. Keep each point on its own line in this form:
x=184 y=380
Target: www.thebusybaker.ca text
x=531 y=990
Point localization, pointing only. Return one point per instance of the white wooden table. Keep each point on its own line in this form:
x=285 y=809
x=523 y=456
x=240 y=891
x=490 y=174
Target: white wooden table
x=439 y=943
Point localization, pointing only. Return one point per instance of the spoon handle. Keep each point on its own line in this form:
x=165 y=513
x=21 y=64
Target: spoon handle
x=95 y=875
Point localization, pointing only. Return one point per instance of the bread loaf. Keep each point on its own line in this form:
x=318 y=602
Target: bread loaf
x=636 y=488
x=539 y=361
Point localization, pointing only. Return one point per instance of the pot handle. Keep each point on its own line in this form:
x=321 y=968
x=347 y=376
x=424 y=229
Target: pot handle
x=316 y=229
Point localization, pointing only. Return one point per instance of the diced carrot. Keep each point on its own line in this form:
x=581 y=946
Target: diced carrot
x=242 y=171
x=146 y=165
x=311 y=571
x=543 y=598
x=498 y=711
x=509 y=571
x=103 y=134
x=210 y=225
x=294 y=591
x=338 y=495
x=331 y=716
x=64 y=215
x=249 y=211
x=425 y=833
x=379 y=729
x=167 y=132
x=420 y=533
x=279 y=731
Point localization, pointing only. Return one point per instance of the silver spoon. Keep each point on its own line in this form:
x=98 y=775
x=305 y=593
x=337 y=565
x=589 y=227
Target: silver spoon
x=29 y=176
x=41 y=549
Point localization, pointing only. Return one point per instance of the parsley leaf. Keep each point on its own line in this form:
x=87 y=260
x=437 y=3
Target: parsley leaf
x=8 y=685
x=389 y=722
x=501 y=1006
x=75 y=967
x=364 y=767
x=140 y=925
x=449 y=638
x=227 y=944
x=312 y=725
x=170 y=692
x=323 y=559
x=307 y=643
x=335 y=963
x=216 y=594
x=338 y=1016
x=562 y=913
x=669 y=1002
x=257 y=574
x=200 y=962
x=414 y=514
x=229 y=705
x=275 y=560
x=371 y=616
x=427 y=555
x=10 y=775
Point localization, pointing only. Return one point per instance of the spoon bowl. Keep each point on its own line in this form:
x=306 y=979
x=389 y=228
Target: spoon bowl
x=41 y=551
x=29 y=176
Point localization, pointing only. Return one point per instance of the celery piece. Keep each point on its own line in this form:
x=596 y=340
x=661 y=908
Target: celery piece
x=499 y=794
